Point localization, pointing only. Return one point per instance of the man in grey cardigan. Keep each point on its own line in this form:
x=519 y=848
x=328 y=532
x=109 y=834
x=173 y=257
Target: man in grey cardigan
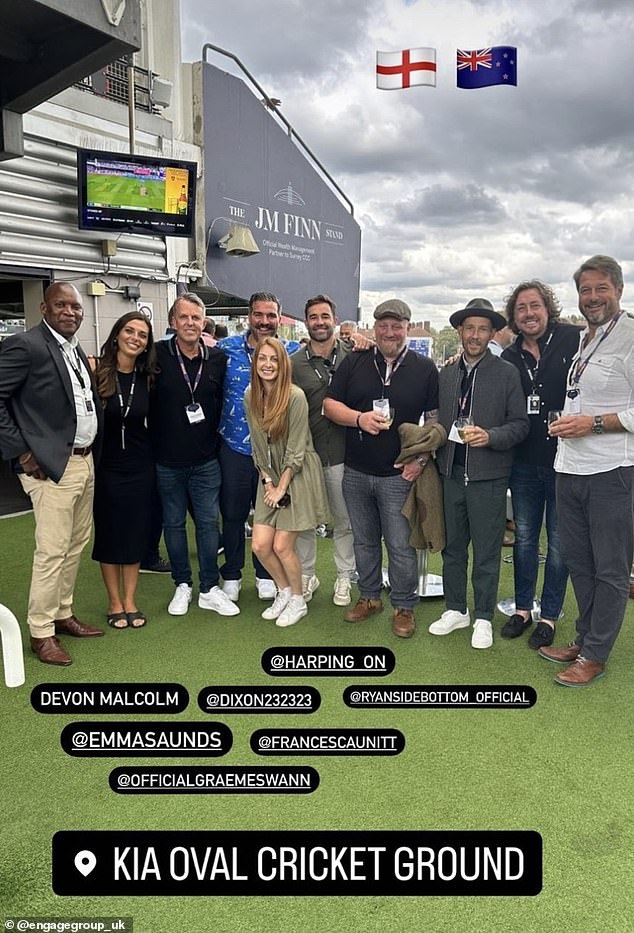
x=476 y=468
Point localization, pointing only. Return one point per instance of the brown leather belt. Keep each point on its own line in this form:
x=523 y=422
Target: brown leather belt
x=81 y=451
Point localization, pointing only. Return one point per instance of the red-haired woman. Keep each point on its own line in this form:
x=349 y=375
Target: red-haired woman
x=292 y=496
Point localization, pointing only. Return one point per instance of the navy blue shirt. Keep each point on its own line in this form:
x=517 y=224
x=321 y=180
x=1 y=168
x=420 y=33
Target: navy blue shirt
x=557 y=348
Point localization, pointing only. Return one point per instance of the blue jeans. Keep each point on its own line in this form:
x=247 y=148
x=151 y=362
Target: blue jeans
x=532 y=489
x=202 y=482
x=374 y=505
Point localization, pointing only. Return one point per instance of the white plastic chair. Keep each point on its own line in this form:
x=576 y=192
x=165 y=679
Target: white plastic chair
x=12 y=653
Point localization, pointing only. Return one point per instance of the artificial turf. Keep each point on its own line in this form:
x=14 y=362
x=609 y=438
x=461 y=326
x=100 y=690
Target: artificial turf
x=563 y=768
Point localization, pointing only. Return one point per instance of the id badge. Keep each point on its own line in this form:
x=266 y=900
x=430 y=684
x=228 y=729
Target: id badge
x=453 y=434
x=573 y=405
x=89 y=406
x=533 y=404
x=381 y=406
x=194 y=413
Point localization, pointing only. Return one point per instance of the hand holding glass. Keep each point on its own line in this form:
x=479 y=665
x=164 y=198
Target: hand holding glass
x=382 y=407
x=553 y=416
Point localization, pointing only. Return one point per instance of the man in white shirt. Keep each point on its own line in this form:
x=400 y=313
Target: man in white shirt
x=595 y=467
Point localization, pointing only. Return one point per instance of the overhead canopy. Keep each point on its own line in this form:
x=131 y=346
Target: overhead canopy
x=49 y=45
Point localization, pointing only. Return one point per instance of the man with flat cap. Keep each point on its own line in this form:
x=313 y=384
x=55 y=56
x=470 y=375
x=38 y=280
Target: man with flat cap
x=50 y=417
x=371 y=394
x=483 y=409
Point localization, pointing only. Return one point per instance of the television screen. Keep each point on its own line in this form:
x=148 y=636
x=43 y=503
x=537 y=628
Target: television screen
x=135 y=194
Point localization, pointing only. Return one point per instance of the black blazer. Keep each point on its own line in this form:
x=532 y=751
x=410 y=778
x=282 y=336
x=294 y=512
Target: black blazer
x=37 y=408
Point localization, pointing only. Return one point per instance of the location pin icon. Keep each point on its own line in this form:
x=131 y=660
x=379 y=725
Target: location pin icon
x=85 y=862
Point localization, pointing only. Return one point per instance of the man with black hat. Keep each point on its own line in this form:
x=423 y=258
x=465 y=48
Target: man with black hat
x=475 y=465
x=371 y=394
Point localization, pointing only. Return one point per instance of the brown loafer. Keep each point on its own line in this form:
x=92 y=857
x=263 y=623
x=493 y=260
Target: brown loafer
x=403 y=623
x=49 y=651
x=363 y=609
x=72 y=626
x=581 y=673
x=561 y=655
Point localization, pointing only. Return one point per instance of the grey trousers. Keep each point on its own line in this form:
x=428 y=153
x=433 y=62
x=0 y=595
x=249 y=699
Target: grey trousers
x=475 y=513
x=374 y=505
x=597 y=541
x=342 y=540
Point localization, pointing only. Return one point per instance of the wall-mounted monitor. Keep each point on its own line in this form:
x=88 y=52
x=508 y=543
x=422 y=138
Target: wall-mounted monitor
x=135 y=194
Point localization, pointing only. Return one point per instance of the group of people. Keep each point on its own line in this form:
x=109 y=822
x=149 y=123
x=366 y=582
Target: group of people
x=347 y=431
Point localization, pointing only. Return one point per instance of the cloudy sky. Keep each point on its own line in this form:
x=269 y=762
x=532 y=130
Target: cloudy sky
x=458 y=193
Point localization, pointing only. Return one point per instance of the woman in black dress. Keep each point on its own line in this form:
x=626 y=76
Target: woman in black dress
x=124 y=477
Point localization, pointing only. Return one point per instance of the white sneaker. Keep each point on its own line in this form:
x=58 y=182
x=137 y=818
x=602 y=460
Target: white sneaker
x=231 y=588
x=279 y=604
x=295 y=610
x=341 y=595
x=180 y=600
x=482 y=634
x=266 y=588
x=449 y=621
x=309 y=585
x=218 y=601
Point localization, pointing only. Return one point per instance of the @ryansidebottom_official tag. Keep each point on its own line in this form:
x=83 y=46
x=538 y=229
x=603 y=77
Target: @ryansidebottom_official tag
x=194 y=413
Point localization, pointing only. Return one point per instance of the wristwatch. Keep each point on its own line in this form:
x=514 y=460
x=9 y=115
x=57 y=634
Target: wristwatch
x=598 y=427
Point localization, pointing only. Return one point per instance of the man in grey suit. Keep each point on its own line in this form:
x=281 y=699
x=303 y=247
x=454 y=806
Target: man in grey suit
x=50 y=417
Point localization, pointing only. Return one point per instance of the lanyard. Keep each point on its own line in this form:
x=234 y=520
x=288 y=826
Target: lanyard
x=580 y=364
x=390 y=368
x=74 y=362
x=328 y=364
x=248 y=349
x=125 y=409
x=533 y=370
x=186 y=374
x=466 y=388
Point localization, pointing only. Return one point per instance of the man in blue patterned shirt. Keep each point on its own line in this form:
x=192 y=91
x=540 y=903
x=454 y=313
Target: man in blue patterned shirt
x=239 y=476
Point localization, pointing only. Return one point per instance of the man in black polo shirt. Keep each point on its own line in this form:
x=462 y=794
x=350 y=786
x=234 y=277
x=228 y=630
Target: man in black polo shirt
x=184 y=416
x=372 y=393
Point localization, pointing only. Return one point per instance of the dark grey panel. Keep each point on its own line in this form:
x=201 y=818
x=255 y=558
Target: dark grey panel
x=255 y=175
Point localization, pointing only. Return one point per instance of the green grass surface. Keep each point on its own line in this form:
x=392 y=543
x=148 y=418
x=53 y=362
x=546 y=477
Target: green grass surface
x=121 y=191
x=563 y=768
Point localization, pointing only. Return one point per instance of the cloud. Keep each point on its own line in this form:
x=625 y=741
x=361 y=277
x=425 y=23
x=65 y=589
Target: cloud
x=444 y=206
x=457 y=192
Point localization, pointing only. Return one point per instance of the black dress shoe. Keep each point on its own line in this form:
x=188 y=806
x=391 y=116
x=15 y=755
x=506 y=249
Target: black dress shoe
x=515 y=626
x=542 y=637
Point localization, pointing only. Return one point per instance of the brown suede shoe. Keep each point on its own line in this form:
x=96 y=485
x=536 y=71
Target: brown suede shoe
x=404 y=623
x=72 y=626
x=49 y=651
x=581 y=673
x=363 y=609
x=561 y=655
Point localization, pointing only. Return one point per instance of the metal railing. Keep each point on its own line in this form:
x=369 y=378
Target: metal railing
x=270 y=103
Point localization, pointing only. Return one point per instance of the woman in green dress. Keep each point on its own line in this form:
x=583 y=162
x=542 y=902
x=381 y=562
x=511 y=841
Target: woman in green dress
x=292 y=494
